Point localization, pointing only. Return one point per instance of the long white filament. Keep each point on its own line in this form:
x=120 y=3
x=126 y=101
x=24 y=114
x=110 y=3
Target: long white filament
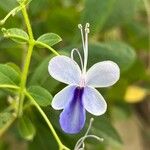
x=85 y=44
x=86 y=47
x=72 y=56
x=82 y=35
x=80 y=143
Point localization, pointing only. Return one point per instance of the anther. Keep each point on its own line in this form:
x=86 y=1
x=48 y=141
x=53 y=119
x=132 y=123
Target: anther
x=91 y=120
x=79 y=26
x=87 y=30
x=2 y=22
x=87 y=25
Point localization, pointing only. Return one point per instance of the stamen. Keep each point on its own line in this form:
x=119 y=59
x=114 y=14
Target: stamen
x=80 y=26
x=87 y=28
x=72 y=56
x=90 y=125
x=80 y=142
x=82 y=36
x=86 y=46
x=87 y=25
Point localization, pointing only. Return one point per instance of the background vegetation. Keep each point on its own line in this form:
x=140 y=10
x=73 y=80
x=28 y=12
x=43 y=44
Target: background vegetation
x=119 y=32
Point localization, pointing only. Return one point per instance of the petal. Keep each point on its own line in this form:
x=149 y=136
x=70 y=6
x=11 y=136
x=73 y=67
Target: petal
x=103 y=74
x=93 y=101
x=64 y=69
x=62 y=98
x=72 y=118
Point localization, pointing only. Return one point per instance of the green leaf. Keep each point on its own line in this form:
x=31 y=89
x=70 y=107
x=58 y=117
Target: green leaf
x=8 y=75
x=41 y=95
x=8 y=4
x=26 y=128
x=43 y=78
x=102 y=127
x=15 y=67
x=123 y=12
x=43 y=140
x=6 y=119
x=136 y=34
x=119 y=52
x=39 y=78
x=105 y=14
x=48 y=39
x=137 y=69
x=96 y=13
x=16 y=35
x=38 y=5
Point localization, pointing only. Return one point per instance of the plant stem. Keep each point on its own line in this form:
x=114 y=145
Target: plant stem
x=61 y=146
x=48 y=47
x=27 y=60
x=23 y=91
x=7 y=125
x=12 y=12
x=9 y=86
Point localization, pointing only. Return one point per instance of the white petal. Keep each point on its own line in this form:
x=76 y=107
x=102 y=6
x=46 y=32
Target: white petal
x=64 y=69
x=62 y=98
x=93 y=101
x=103 y=74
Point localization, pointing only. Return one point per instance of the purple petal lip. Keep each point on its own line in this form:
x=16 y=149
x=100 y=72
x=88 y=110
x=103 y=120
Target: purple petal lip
x=72 y=118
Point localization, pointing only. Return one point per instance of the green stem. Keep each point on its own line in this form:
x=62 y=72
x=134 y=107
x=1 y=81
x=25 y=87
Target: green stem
x=23 y=91
x=12 y=109
x=61 y=146
x=48 y=47
x=7 y=125
x=9 y=86
x=12 y=12
x=27 y=60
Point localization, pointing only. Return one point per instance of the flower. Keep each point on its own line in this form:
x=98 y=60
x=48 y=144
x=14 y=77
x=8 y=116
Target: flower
x=80 y=95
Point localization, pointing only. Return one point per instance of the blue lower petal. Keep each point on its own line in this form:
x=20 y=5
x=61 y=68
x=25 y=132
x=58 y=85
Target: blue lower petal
x=73 y=117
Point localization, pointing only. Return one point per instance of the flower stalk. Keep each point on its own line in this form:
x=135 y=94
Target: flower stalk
x=23 y=92
x=27 y=60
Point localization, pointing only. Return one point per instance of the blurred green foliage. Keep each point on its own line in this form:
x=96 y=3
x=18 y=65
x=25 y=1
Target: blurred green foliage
x=119 y=32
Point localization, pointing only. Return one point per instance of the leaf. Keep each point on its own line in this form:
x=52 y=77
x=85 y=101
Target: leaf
x=43 y=78
x=38 y=5
x=48 y=39
x=96 y=13
x=43 y=140
x=26 y=128
x=105 y=14
x=117 y=92
x=136 y=34
x=138 y=69
x=123 y=11
x=119 y=52
x=102 y=127
x=7 y=4
x=8 y=75
x=15 y=67
x=6 y=119
x=41 y=95
x=16 y=35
